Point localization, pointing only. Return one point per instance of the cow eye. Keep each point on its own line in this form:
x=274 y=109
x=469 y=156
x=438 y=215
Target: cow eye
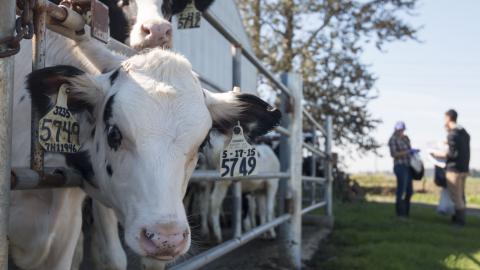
x=114 y=137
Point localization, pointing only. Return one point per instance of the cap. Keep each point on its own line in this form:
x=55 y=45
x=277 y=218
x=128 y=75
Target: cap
x=400 y=125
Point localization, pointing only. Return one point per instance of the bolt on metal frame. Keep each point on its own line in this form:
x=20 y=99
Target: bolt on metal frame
x=290 y=190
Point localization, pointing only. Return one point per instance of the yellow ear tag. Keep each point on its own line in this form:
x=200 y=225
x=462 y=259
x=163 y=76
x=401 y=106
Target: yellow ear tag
x=58 y=130
x=190 y=17
x=238 y=158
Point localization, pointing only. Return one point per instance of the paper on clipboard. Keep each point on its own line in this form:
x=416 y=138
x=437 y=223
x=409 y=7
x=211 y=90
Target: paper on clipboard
x=439 y=162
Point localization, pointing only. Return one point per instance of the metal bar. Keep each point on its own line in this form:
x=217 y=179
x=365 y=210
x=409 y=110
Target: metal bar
x=313 y=169
x=291 y=233
x=328 y=165
x=313 y=121
x=313 y=179
x=282 y=130
x=237 y=186
x=284 y=153
x=38 y=61
x=7 y=26
x=252 y=58
x=213 y=176
x=216 y=252
x=314 y=150
x=25 y=178
x=313 y=207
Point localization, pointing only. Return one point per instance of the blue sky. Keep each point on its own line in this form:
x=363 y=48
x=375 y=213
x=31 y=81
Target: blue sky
x=418 y=82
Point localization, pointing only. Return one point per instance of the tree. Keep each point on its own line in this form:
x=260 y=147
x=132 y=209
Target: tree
x=324 y=40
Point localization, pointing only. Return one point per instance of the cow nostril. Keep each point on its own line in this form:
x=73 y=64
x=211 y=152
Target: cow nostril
x=145 y=30
x=168 y=33
x=148 y=235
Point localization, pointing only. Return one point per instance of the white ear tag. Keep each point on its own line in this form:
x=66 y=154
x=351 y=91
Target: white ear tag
x=190 y=17
x=58 y=130
x=238 y=158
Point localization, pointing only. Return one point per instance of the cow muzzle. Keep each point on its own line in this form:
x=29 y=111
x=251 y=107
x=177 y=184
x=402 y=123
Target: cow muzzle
x=165 y=241
x=151 y=34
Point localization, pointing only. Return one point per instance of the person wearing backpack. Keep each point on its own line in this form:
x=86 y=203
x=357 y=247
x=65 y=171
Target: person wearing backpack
x=401 y=152
x=457 y=164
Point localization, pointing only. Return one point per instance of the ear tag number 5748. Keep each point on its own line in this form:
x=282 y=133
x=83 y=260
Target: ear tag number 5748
x=58 y=130
x=238 y=158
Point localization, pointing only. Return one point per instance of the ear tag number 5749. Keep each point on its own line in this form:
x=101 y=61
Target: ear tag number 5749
x=58 y=130
x=238 y=158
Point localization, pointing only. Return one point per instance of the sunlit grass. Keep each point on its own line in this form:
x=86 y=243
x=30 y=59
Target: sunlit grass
x=368 y=236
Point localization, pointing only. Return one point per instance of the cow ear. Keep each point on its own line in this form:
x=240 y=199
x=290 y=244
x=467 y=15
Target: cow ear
x=202 y=5
x=178 y=6
x=256 y=116
x=43 y=85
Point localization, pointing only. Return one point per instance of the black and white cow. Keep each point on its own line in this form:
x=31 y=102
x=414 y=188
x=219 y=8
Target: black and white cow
x=142 y=123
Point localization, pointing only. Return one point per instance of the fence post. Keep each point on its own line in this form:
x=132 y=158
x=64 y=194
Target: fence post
x=7 y=26
x=292 y=231
x=237 y=186
x=313 y=164
x=328 y=165
x=38 y=62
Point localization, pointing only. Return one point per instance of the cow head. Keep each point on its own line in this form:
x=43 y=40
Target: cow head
x=141 y=127
x=150 y=20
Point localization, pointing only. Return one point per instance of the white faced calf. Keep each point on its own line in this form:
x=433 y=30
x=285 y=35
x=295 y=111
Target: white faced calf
x=142 y=125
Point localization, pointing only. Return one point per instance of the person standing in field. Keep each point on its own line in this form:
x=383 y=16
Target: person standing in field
x=400 y=150
x=457 y=164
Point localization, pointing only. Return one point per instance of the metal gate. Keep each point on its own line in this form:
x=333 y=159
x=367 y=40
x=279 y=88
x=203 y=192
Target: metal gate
x=290 y=211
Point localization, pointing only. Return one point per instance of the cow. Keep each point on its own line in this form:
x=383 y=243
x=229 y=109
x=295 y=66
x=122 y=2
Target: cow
x=260 y=192
x=142 y=121
x=149 y=21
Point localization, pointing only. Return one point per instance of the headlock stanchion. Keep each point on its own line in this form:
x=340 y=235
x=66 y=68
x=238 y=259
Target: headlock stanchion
x=70 y=24
x=7 y=26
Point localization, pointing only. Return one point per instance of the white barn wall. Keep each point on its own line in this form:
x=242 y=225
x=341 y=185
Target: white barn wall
x=210 y=53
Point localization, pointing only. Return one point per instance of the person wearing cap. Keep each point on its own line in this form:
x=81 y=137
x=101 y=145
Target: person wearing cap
x=457 y=164
x=400 y=150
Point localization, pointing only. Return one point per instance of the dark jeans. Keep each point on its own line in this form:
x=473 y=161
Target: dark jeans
x=404 y=188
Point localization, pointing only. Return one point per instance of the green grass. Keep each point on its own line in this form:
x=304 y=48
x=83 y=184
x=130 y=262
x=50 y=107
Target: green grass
x=368 y=236
x=381 y=187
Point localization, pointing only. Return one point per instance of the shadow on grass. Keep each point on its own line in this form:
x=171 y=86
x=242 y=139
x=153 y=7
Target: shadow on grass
x=369 y=236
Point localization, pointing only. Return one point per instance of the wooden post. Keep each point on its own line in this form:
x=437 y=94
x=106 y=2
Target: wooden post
x=7 y=26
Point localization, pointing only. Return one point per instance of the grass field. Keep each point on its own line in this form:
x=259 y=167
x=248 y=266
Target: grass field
x=368 y=236
x=381 y=187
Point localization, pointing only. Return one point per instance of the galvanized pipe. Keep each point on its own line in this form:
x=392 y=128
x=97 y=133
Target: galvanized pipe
x=314 y=122
x=314 y=150
x=313 y=169
x=7 y=26
x=38 y=61
x=27 y=179
x=313 y=207
x=216 y=252
x=328 y=165
x=252 y=58
x=314 y=179
x=214 y=176
x=282 y=130
x=237 y=186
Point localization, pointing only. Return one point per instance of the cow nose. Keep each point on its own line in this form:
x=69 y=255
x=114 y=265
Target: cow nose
x=157 y=33
x=164 y=241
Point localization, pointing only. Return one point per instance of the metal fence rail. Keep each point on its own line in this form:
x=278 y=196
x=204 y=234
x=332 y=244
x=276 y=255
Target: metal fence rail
x=290 y=194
